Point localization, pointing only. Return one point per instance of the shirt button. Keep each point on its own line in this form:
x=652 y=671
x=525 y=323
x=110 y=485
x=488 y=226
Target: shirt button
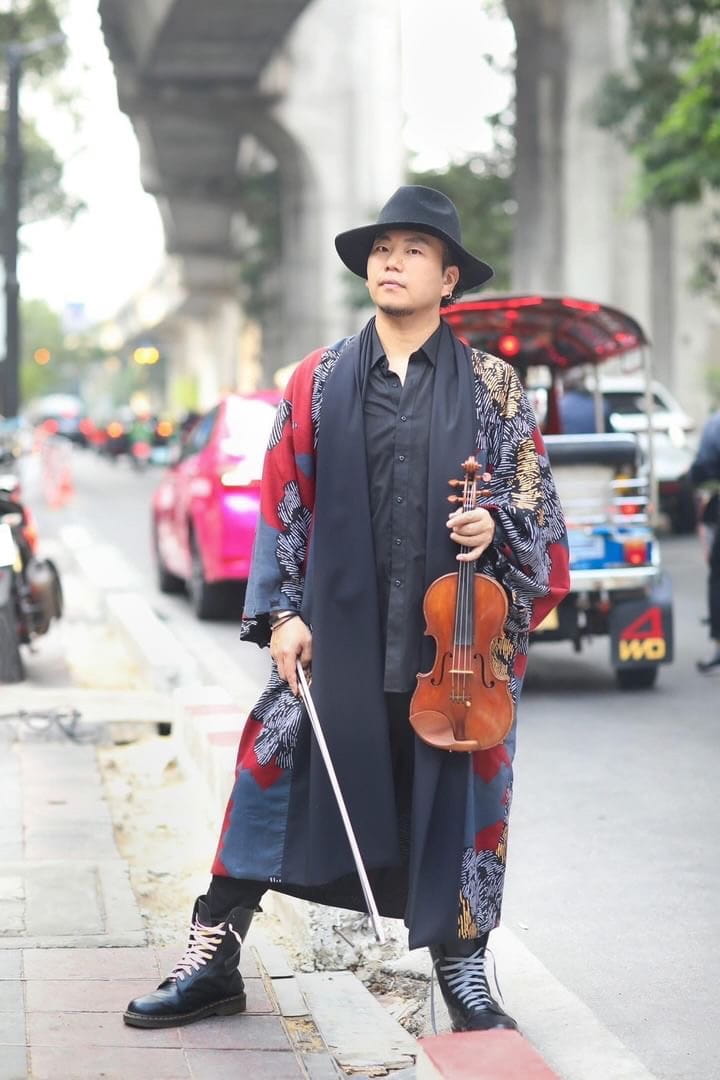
x=403 y=418
x=398 y=540
x=398 y=582
x=401 y=457
x=399 y=499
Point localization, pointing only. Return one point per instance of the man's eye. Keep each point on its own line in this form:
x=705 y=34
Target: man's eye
x=415 y=251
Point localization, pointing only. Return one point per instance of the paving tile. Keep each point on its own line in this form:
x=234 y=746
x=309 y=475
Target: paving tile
x=242 y=1032
x=109 y=995
x=289 y=997
x=11 y=852
x=258 y=1000
x=11 y=887
x=118 y=1063
x=168 y=956
x=11 y=826
x=11 y=918
x=75 y=908
x=321 y=1067
x=13 y=1063
x=11 y=996
x=77 y=1030
x=91 y=964
x=253 y=1064
x=91 y=842
x=76 y=995
x=10 y=964
x=12 y=1030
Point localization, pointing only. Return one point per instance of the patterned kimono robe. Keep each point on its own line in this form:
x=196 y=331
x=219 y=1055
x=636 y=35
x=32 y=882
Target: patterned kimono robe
x=314 y=554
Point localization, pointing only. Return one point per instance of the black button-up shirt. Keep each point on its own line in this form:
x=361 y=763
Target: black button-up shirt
x=397 y=429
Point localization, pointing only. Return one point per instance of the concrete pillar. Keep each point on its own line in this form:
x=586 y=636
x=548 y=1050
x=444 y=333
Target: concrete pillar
x=340 y=71
x=539 y=178
x=578 y=229
x=695 y=343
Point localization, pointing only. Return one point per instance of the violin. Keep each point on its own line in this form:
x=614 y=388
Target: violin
x=464 y=701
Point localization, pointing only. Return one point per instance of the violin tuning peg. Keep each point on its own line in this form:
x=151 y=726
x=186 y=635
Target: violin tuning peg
x=454 y=483
x=486 y=478
x=455 y=499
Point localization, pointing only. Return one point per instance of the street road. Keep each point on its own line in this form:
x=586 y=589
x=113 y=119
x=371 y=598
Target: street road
x=614 y=868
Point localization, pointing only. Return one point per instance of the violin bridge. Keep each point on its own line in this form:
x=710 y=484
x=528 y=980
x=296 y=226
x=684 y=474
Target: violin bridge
x=460 y=671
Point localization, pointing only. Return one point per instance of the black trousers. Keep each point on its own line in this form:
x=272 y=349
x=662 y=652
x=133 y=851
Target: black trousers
x=714 y=586
x=226 y=893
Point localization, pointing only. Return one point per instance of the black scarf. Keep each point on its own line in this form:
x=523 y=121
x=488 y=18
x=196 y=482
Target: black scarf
x=341 y=605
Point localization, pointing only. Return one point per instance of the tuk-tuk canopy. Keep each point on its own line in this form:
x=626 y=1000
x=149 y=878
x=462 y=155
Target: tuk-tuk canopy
x=558 y=332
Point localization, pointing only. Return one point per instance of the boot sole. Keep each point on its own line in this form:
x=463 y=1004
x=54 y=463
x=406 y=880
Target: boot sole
x=228 y=1007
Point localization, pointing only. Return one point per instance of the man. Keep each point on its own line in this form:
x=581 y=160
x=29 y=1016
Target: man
x=577 y=406
x=706 y=467
x=354 y=527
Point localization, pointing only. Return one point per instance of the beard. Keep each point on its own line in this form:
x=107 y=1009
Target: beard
x=396 y=311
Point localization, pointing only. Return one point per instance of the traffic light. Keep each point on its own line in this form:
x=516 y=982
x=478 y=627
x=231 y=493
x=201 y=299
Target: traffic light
x=42 y=356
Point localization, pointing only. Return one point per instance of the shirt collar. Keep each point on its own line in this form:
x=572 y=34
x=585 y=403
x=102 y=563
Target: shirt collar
x=430 y=349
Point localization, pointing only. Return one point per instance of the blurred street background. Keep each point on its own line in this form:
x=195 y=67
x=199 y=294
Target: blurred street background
x=173 y=176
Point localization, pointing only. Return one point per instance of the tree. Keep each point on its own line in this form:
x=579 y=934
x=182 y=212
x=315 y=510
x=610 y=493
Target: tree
x=51 y=360
x=43 y=195
x=481 y=189
x=666 y=108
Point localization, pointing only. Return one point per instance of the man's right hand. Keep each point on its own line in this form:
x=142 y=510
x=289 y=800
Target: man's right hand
x=288 y=643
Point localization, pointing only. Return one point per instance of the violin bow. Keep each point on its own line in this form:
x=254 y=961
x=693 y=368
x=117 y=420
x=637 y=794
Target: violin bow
x=360 y=866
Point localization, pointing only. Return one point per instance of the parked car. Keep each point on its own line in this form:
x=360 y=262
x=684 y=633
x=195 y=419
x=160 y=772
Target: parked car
x=205 y=510
x=674 y=446
x=62 y=414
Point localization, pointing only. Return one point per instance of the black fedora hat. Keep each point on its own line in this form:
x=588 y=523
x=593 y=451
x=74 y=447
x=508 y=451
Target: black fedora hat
x=415 y=207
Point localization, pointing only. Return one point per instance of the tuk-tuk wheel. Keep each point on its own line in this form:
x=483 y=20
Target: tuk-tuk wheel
x=642 y=678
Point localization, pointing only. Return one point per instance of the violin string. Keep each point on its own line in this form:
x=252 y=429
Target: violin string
x=468 y=603
x=456 y=635
x=463 y=580
x=459 y=606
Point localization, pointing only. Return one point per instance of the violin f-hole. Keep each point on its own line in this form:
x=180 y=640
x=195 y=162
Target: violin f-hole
x=439 y=679
x=488 y=685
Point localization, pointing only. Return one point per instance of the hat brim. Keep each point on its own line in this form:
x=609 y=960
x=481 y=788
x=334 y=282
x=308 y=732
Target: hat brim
x=354 y=247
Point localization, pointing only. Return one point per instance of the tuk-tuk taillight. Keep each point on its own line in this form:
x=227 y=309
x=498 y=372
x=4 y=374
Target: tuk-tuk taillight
x=636 y=552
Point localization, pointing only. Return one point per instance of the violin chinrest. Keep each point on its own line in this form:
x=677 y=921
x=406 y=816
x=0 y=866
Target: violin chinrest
x=433 y=728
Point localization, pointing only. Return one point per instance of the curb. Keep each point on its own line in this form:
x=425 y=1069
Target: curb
x=480 y=1055
x=161 y=658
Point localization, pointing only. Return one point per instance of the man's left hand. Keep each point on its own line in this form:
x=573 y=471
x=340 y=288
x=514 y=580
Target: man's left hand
x=473 y=529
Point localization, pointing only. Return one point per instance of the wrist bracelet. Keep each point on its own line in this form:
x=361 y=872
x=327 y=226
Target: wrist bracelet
x=285 y=617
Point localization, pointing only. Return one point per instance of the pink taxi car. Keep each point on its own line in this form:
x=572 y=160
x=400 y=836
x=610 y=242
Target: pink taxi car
x=205 y=510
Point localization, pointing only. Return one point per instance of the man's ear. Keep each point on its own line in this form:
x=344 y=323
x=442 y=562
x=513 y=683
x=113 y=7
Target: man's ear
x=451 y=277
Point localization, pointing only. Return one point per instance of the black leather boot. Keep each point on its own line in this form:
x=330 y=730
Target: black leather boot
x=460 y=969
x=206 y=982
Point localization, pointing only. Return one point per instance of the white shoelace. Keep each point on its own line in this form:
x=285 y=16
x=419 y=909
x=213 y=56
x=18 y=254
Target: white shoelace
x=202 y=946
x=466 y=978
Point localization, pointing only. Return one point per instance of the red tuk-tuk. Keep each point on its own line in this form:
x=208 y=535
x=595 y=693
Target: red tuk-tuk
x=606 y=480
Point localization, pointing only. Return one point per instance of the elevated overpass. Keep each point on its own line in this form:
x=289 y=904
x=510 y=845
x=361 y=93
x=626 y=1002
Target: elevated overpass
x=233 y=98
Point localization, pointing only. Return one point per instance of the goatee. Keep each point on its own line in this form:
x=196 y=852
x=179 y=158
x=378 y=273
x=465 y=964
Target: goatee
x=396 y=312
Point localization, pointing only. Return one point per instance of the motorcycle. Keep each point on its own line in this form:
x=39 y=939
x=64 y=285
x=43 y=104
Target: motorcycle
x=30 y=588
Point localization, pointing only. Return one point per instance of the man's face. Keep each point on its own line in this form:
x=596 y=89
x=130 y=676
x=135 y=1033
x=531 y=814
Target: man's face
x=405 y=274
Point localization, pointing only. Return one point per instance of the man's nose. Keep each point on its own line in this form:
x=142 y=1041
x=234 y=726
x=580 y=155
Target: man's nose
x=393 y=260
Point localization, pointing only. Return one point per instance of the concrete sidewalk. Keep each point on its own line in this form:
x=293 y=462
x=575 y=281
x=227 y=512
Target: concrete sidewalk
x=74 y=949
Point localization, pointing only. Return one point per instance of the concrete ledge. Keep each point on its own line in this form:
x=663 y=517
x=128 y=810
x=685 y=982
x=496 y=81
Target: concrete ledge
x=359 y=1033
x=95 y=706
x=480 y=1055
x=207 y=726
x=163 y=661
